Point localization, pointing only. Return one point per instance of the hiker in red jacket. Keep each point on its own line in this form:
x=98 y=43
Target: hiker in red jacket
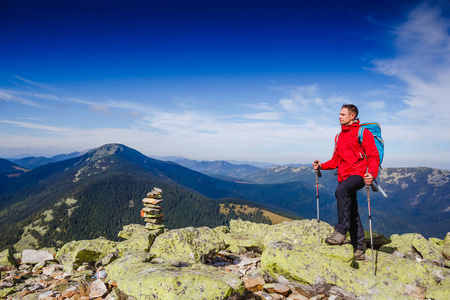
x=357 y=166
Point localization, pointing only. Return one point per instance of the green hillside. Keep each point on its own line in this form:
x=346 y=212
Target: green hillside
x=100 y=192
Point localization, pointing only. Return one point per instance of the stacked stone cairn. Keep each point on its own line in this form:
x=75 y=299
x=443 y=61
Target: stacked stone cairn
x=152 y=211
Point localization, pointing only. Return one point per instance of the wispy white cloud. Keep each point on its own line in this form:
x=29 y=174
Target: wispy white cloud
x=33 y=83
x=289 y=105
x=45 y=100
x=269 y=116
x=376 y=105
x=300 y=96
x=310 y=103
x=98 y=108
x=423 y=64
x=33 y=126
x=259 y=106
x=9 y=96
x=191 y=133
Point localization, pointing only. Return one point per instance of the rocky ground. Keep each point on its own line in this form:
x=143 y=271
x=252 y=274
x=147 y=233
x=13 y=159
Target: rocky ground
x=46 y=280
x=241 y=262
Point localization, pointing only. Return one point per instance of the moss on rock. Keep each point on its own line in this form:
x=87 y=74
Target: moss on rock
x=441 y=291
x=317 y=263
x=77 y=252
x=235 y=241
x=296 y=232
x=137 y=239
x=164 y=280
x=187 y=244
x=414 y=242
x=7 y=291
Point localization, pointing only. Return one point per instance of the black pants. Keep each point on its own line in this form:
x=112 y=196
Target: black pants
x=347 y=209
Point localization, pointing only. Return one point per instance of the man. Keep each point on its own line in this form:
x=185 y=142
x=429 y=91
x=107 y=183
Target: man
x=357 y=166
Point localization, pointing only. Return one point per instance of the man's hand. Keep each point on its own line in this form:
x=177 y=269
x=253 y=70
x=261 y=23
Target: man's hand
x=368 y=179
x=316 y=165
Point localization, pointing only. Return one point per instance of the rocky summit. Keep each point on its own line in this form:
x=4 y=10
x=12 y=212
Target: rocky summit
x=244 y=260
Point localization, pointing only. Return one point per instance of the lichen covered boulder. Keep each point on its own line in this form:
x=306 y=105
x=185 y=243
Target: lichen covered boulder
x=238 y=243
x=414 y=242
x=444 y=248
x=77 y=252
x=312 y=264
x=296 y=232
x=161 y=279
x=137 y=239
x=302 y=262
x=441 y=291
x=187 y=244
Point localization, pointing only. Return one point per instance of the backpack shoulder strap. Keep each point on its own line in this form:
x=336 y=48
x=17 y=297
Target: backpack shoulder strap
x=360 y=134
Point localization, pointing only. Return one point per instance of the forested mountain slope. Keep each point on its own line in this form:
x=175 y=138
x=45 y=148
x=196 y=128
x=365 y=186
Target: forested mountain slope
x=100 y=192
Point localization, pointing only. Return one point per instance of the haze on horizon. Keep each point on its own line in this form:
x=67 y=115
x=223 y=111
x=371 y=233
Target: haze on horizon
x=224 y=80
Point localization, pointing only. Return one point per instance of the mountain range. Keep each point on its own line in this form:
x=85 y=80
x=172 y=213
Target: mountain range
x=99 y=192
x=31 y=162
x=96 y=193
x=218 y=168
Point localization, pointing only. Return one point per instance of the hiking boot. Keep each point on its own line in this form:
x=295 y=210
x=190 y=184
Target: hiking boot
x=359 y=255
x=336 y=238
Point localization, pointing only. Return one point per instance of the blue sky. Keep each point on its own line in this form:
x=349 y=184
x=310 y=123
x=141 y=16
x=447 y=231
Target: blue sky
x=224 y=80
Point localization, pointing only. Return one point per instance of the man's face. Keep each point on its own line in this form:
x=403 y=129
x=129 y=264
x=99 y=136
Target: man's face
x=345 y=118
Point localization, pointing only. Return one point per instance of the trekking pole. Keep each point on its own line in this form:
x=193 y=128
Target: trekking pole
x=318 y=174
x=370 y=227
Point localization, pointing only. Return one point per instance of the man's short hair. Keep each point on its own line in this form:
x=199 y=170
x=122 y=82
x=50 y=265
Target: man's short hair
x=352 y=109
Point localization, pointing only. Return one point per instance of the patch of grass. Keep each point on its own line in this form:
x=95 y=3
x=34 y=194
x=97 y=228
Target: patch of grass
x=274 y=218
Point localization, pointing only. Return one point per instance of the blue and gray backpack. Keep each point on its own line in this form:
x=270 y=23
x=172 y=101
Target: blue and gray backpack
x=375 y=129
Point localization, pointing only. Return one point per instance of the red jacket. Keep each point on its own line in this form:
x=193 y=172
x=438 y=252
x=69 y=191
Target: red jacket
x=351 y=157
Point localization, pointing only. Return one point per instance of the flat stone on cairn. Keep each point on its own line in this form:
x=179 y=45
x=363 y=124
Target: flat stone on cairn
x=152 y=211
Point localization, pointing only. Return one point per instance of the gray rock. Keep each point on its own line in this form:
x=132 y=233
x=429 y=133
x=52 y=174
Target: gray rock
x=33 y=257
x=109 y=258
x=46 y=294
x=39 y=266
x=98 y=289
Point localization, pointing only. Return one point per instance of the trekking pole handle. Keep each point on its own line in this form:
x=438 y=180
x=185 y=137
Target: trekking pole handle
x=319 y=174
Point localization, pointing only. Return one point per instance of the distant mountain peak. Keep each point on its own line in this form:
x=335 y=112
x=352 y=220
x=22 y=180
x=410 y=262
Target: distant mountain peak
x=106 y=150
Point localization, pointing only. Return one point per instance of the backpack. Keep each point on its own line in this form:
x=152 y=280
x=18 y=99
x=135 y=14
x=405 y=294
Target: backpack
x=375 y=129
